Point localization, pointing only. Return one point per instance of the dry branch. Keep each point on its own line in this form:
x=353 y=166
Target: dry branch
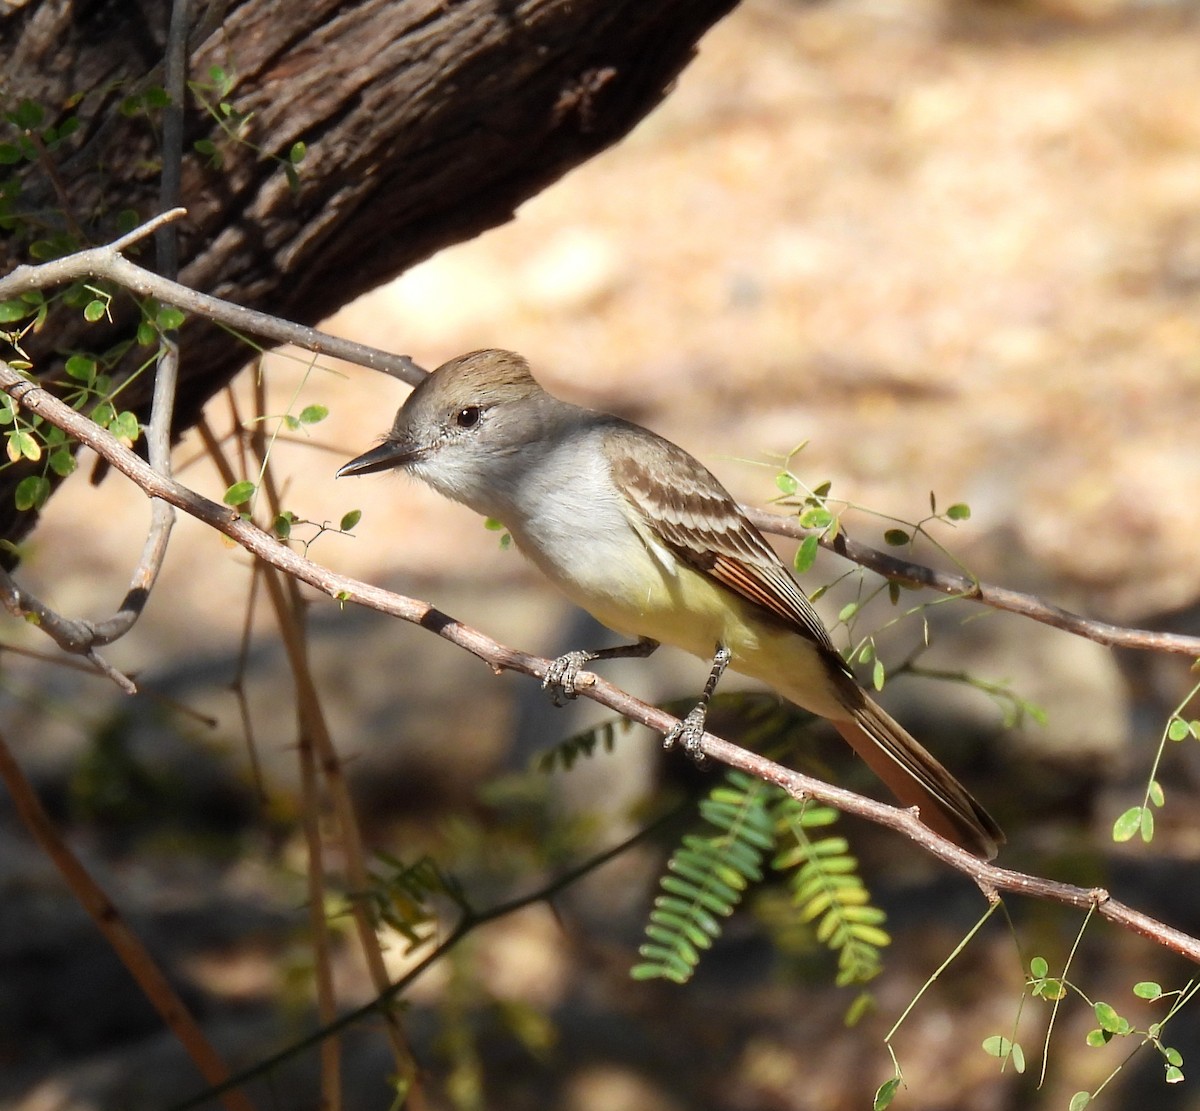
x=990 y=878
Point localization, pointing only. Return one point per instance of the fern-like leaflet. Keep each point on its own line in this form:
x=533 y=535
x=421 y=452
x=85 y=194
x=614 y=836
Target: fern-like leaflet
x=706 y=878
x=708 y=874
x=826 y=888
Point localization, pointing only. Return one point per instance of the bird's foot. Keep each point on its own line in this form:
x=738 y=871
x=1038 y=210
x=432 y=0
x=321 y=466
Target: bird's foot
x=690 y=732
x=561 y=675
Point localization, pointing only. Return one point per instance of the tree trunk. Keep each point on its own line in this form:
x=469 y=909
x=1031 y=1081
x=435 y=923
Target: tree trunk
x=425 y=122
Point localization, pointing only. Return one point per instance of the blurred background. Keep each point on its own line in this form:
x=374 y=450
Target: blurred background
x=948 y=246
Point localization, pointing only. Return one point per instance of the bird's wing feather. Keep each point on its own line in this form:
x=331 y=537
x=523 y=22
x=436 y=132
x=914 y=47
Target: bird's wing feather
x=690 y=512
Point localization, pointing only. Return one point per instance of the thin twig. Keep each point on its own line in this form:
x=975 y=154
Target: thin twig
x=108 y=262
x=998 y=597
x=471 y=921
x=286 y=604
x=124 y=942
x=991 y=878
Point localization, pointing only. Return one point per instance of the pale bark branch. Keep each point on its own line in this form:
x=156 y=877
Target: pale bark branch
x=991 y=878
x=972 y=590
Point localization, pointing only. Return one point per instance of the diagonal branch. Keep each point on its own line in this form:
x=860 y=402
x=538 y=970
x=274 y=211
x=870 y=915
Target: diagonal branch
x=108 y=262
x=991 y=878
x=972 y=590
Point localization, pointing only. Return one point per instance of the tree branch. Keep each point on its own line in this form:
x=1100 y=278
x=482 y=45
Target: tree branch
x=972 y=590
x=108 y=262
x=990 y=877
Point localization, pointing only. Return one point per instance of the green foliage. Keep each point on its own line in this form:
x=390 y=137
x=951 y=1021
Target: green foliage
x=581 y=746
x=1140 y=819
x=215 y=97
x=827 y=890
x=750 y=823
x=402 y=896
x=1111 y=1025
x=707 y=876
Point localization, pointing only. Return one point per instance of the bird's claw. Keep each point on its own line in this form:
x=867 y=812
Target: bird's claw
x=560 y=676
x=689 y=733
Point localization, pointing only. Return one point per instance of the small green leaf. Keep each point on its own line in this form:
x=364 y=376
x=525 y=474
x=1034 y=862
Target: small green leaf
x=9 y=154
x=28 y=115
x=1108 y=1018
x=1156 y=793
x=297 y=153
x=863 y=1003
x=960 y=511
x=1172 y=1056
x=1038 y=967
x=885 y=1094
x=896 y=537
x=1018 y=1057
x=350 y=520
x=806 y=554
x=1098 y=1038
x=104 y=413
x=283 y=524
x=61 y=461
x=1079 y=1101
x=22 y=445
x=493 y=525
x=31 y=492
x=1147 y=989
x=786 y=483
x=156 y=97
x=1127 y=824
x=147 y=334
x=816 y=516
x=13 y=310
x=313 y=414
x=239 y=493
x=125 y=427
x=997 y=1046
x=1173 y=1074
x=94 y=310
x=878 y=674
x=847 y=611
x=1178 y=729
x=81 y=367
x=169 y=318
x=1146 y=825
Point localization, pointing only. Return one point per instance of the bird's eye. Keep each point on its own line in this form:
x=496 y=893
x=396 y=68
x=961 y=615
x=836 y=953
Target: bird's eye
x=468 y=417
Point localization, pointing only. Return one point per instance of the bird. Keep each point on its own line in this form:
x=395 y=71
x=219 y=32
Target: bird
x=639 y=533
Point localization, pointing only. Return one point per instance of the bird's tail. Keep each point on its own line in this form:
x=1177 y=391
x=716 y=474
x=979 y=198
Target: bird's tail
x=916 y=778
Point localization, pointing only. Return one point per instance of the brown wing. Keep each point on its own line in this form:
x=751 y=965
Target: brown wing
x=696 y=519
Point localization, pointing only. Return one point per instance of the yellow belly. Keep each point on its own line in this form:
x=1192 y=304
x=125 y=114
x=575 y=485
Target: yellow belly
x=641 y=592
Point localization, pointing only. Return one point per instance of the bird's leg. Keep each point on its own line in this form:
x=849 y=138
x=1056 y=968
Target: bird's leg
x=561 y=674
x=691 y=729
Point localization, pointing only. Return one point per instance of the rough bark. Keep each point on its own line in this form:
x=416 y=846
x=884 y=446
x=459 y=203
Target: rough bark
x=425 y=122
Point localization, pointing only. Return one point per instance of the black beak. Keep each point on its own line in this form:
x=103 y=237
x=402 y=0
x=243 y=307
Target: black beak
x=387 y=455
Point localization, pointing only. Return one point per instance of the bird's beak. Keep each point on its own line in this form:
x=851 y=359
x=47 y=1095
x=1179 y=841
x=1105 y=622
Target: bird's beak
x=387 y=455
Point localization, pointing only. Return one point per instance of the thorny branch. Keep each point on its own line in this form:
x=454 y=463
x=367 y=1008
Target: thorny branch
x=991 y=878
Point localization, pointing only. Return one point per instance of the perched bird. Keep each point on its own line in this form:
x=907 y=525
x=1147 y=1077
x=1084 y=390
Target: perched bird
x=642 y=536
